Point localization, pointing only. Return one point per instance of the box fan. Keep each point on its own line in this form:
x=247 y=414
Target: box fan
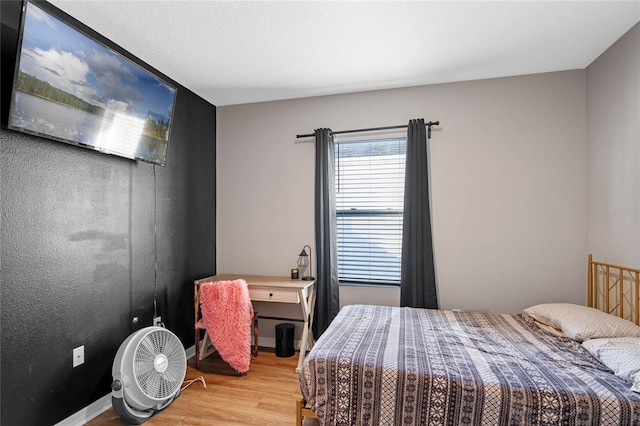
x=148 y=370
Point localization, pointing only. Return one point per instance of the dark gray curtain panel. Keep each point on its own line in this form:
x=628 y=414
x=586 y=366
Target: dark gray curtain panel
x=417 y=282
x=327 y=286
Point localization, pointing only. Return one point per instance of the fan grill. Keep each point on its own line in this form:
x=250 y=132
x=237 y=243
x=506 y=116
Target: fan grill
x=158 y=350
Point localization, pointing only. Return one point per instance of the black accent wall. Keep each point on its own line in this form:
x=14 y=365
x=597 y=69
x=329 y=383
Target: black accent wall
x=78 y=248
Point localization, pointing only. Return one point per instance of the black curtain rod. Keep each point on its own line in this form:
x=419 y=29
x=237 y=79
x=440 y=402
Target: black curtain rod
x=429 y=124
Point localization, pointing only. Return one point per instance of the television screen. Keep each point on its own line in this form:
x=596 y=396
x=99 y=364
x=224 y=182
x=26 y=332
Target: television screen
x=71 y=88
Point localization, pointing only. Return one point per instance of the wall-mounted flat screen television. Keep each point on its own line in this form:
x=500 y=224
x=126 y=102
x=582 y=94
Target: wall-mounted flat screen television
x=71 y=88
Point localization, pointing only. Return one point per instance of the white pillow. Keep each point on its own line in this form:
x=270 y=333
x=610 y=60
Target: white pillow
x=581 y=322
x=622 y=355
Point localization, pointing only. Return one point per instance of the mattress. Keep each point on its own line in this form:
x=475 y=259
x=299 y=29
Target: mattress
x=378 y=365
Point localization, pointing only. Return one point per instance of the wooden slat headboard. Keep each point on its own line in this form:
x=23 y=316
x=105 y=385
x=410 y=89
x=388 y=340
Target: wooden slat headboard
x=614 y=289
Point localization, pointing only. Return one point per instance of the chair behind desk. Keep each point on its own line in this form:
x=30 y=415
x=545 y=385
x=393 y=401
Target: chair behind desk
x=203 y=345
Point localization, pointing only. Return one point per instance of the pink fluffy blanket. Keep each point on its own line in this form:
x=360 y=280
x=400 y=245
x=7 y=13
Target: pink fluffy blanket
x=227 y=314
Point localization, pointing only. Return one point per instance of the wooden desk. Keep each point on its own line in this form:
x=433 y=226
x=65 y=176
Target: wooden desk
x=279 y=290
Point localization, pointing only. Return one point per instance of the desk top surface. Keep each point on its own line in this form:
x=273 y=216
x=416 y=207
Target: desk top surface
x=259 y=281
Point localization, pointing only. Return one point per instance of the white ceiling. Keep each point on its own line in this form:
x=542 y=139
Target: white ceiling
x=234 y=52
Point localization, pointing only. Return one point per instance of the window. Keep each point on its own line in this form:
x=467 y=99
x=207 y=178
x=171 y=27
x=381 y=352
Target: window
x=369 y=203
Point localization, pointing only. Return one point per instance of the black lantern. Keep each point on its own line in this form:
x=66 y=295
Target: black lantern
x=304 y=260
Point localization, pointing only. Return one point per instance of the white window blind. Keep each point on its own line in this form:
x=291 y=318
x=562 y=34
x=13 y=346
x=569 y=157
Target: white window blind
x=369 y=203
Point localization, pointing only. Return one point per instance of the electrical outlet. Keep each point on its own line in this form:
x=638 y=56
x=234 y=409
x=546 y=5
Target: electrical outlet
x=157 y=321
x=78 y=356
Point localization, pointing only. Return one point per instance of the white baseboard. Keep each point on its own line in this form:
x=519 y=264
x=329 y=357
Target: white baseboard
x=88 y=413
x=267 y=342
x=191 y=352
x=270 y=342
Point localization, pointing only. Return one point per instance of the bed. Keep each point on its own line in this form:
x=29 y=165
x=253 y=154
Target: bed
x=380 y=365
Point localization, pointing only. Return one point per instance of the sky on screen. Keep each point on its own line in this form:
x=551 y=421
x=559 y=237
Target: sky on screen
x=68 y=60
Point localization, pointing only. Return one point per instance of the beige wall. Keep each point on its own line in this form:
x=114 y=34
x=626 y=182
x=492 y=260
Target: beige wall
x=613 y=152
x=508 y=185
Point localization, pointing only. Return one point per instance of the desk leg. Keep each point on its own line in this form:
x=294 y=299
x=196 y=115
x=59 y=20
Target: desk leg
x=307 y=302
x=311 y=305
x=254 y=352
x=196 y=306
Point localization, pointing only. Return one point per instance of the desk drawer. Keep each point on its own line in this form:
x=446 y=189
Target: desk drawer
x=273 y=295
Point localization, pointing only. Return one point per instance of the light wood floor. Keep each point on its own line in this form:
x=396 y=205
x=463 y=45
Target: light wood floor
x=265 y=395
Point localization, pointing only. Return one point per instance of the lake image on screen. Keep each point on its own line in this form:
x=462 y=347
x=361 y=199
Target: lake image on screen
x=73 y=89
x=51 y=118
